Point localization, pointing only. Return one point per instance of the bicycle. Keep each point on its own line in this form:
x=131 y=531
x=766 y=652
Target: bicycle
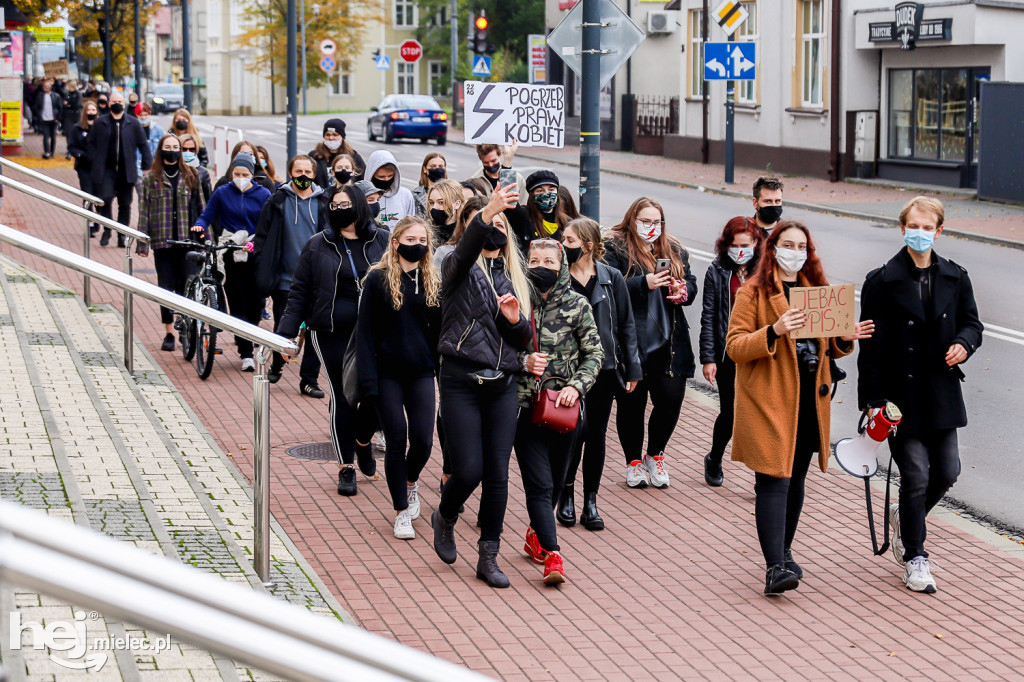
x=199 y=338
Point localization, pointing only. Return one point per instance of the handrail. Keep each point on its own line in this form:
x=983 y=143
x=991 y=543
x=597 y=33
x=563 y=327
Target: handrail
x=84 y=196
x=123 y=582
x=261 y=385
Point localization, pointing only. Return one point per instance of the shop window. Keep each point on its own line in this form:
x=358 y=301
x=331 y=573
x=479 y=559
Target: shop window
x=696 y=80
x=928 y=113
x=746 y=91
x=812 y=53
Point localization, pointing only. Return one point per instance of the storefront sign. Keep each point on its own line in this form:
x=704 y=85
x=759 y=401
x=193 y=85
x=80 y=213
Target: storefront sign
x=10 y=121
x=909 y=27
x=537 y=55
x=53 y=34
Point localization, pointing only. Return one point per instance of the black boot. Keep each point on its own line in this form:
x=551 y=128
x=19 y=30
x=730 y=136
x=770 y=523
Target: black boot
x=487 y=565
x=105 y=239
x=792 y=565
x=366 y=460
x=779 y=579
x=713 y=475
x=121 y=240
x=444 y=537
x=565 y=512
x=590 y=519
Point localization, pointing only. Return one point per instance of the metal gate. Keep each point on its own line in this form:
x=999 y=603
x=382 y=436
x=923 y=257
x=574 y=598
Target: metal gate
x=654 y=117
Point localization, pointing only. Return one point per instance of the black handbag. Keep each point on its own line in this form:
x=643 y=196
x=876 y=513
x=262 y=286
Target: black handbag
x=350 y=373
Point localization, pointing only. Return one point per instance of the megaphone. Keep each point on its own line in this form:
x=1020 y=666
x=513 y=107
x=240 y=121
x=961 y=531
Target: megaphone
x=857 y=455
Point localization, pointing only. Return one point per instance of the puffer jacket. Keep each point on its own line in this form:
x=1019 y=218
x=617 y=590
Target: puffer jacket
x=682 y=363
x=616 y=325
x=567 y=332
x=717 y=308
x=473 y=329
x=311 y=297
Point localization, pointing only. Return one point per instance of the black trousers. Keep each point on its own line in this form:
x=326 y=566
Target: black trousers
x=593 y=432
x=309 y=370
x=49 y=130
x=347 y=423
x=406 y=410
x=543 y=457
x=722 y=433
x=171 y=272
x=480 y=429
x=666 y=398
x=929 y=465
x=123 y=193
x=243 y=301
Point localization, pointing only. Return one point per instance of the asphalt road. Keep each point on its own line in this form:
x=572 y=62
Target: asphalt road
x=991 y=450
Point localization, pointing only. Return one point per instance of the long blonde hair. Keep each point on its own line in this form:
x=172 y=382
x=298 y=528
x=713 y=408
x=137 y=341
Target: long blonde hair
x=514 y=267
x=393 y=270
x=451 y=193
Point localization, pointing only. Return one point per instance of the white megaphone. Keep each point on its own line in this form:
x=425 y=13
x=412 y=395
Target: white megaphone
x=857 y=455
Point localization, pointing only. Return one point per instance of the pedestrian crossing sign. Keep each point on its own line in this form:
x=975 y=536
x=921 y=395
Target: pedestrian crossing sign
x=383 y=62
x=481 y=65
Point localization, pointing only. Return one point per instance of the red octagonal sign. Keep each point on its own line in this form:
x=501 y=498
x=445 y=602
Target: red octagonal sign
x=410 y=51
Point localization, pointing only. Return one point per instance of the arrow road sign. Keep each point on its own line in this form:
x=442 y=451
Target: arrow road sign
x=730 y=61
x=481 y=65
x=383 y=62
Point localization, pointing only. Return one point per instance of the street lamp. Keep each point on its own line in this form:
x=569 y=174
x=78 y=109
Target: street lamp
x=302 y=39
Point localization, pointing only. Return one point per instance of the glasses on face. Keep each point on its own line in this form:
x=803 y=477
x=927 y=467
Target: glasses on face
x=651 y=223
x=335 y=205
x=188 y=149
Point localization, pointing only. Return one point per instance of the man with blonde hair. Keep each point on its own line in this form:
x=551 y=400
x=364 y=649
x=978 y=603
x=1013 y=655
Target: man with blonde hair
x=926 y=327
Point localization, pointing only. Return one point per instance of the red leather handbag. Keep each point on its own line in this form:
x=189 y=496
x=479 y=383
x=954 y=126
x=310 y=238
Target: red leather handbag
x=547 y=413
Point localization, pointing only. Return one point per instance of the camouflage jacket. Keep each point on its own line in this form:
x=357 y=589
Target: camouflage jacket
x=567 y=332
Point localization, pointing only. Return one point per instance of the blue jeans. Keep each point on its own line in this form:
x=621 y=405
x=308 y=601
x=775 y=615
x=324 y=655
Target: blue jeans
x=929 y=465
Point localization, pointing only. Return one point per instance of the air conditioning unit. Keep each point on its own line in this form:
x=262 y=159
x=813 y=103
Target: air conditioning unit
x=661 y=22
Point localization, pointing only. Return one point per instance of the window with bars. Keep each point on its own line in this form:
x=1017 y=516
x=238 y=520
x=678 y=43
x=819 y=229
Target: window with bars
x=405 y=14
x=812 y=53
x=746 y=91
x=696 y=54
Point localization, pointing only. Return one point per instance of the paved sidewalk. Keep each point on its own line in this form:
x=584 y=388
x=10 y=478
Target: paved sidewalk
x=672 y=588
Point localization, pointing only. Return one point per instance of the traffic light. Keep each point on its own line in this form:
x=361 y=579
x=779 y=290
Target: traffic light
x=478 y=42
x=376 y=55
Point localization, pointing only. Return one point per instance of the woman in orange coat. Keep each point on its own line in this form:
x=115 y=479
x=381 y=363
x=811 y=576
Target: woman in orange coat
x=782 y=392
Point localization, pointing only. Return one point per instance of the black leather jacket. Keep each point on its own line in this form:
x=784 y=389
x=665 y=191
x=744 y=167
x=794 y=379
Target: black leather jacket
x=615 y=324
x=714 y=318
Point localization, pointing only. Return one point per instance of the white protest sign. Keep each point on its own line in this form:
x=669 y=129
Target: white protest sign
x=497 y=113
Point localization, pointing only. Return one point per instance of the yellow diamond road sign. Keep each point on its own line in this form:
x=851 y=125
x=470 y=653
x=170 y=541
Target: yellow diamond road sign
x=729 y=15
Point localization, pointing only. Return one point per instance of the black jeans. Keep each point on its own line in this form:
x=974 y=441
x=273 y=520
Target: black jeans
x=49 y=130
x=593 y=431
x=243 y=302
x=123 y=193
x=929 y=466
x=543 y=457
x=309 y=370
x=722 y=433
x=171 y=272
x=667 y=399
x=480 y=429
x=348 y=424
x=406 y=410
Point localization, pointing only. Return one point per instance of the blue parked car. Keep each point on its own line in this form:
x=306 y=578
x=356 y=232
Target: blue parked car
x=412 y=117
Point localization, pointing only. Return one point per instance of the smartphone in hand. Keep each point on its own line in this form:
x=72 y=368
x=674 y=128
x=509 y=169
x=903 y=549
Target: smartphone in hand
x=663 y=265
x=507 y=177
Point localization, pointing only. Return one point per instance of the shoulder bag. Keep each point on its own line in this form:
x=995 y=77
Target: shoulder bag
x=547 y=413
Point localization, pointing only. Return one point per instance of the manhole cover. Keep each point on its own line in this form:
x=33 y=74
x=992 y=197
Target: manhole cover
x=317 y=451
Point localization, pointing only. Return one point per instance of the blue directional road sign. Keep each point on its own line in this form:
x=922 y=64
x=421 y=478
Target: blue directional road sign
x=729 y=61
x=481 y=65
x=383 y=62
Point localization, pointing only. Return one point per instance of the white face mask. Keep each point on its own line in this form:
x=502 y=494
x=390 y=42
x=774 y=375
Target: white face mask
x=790 y=260
x=741 y=254
x=333 y=145
x=242 y=183
x=648 y=234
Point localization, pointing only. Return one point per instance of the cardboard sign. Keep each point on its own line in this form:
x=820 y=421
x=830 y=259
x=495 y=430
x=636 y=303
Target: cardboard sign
x=830 y=311
x=56 y=69
x=497 y=113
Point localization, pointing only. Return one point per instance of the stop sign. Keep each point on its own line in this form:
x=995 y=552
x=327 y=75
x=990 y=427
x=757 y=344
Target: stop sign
x=410 y=51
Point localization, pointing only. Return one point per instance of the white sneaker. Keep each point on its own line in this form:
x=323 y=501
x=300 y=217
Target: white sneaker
x=403 y=526
x=414 y=501
x=897 y=538
x=248 y=365
x=656 y=470
x=636 y=475
x=918 y=576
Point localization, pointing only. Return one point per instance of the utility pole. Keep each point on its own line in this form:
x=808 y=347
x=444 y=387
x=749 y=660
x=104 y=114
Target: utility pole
x=705 y=145
x=730 y=129
x=186 y=51
x=590 y=102
x=108 y=54
x=138 y=52
x=453 y=67
x=302 y=40
x=292 y=82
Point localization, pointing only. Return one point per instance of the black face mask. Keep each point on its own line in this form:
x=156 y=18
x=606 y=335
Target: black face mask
x=102 y=105
x=493 y=169
x=170 y=156
x=116 y=108
x=181 y=124
x=572 y=254
x=340 y=218
x=413 y=253
x=769 y=214
x=438 y=216
x=495 y=240
x=374 y=210
x=343 y=175
x=542 y=278
x=302 y=182
x=384 y=185
x=436 y=174
x=90 y=117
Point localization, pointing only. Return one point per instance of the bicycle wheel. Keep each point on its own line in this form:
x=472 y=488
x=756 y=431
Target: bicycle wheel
x=186 y=325
x=206 y=336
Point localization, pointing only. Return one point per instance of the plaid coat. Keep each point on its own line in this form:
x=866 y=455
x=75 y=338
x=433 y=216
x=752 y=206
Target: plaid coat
x=156 y=210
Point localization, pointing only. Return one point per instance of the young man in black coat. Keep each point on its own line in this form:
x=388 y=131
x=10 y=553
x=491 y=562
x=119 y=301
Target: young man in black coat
x=48 y=109
x=113 y=142
x=926 y=326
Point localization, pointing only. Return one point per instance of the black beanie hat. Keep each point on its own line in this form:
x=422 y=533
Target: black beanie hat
x=335 y=124
x=541 y=177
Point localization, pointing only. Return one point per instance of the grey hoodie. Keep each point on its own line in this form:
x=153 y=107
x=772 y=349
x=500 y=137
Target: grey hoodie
x=301 y=220
x=398 y=201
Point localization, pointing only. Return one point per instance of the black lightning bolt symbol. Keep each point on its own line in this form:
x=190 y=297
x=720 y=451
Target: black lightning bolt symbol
x=477 y=109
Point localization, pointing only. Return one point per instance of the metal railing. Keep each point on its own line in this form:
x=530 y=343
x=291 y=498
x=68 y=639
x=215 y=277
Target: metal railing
x=123 y=582
x=130 y=233
x=265 y=340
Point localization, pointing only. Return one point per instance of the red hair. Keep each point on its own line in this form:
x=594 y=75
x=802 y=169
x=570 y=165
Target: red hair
x=764 y=276
x=737 y=226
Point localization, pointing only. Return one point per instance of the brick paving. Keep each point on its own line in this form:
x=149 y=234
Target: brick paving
x=672 y=588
